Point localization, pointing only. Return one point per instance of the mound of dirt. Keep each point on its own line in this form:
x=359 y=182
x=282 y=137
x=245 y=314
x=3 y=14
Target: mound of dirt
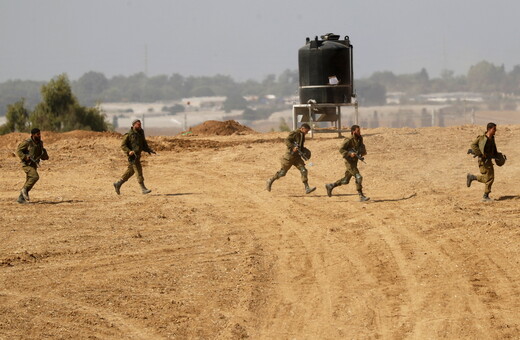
x=217 y=128
x=11 y=140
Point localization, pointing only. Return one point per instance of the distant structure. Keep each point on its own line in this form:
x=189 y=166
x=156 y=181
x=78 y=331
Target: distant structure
x=326 y=81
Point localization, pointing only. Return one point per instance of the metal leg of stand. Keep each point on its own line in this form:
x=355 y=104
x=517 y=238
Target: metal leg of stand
x=311 y=119
x=294 y=118
x=357 y=114
x=339 y=122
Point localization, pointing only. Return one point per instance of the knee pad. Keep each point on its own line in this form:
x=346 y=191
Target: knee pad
x=359 y=178
x=303 y=170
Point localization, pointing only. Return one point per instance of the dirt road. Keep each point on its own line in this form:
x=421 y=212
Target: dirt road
x=210 y=254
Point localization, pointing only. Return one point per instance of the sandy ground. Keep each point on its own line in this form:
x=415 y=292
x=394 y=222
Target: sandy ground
x=210 y=254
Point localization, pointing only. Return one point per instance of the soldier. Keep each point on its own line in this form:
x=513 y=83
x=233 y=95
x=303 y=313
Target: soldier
x=30 y=152
x=351 y=149
x=294 y=142
x=485 y=149
x=134 y=142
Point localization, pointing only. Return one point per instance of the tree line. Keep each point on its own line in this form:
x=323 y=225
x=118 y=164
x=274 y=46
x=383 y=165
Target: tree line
x=93 y=88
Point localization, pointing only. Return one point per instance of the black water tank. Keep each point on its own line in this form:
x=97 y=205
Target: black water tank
x=325 y=68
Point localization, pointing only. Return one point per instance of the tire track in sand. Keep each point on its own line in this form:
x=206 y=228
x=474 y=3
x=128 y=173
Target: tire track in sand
x=302 y=301
x=441 y=297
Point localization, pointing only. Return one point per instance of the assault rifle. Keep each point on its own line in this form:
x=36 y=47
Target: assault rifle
x=32 y=159
x=471 y=152
x=302 y=154
x=500 y=158
x=358 y=155
x=133 y=157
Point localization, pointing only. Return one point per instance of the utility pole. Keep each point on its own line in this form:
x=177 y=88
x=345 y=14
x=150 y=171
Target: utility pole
x=146 y=60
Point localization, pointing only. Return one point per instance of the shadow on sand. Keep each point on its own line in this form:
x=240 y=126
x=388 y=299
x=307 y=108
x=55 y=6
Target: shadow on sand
x=509 y=197
x=56 y=202
x=395 y=199
x=312 y=195
x=179 y=194
x=371 y=200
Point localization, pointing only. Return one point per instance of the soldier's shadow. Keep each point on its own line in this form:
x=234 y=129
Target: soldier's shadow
x=395 y=199
x=56 y=202
x=177 y=194
x=508 y=197
x=311 y=195
x=369 y=201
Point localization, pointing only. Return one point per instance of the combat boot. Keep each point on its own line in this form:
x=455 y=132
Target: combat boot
x=117 y=186
x=20 y=199
x=144 y=189
x=329 y=188
x=470 y=178
x=269 y=184
x=25 y=194
x=486 y=198
x=362 y=197
x=308 y=189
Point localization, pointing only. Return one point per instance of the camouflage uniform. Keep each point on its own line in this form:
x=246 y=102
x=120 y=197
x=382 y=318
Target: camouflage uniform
x=353 y=143
x=36 y=151
x=351 y=170
x=485 y=149
x=134 y=141
x=292 y=159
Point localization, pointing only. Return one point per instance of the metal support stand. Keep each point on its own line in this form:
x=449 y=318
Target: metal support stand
x=315 y=113
x=357 y=112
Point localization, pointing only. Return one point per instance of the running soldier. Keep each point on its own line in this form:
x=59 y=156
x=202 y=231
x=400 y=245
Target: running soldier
x=295 y=147
x=30 y=152
x=485 y=149
x=352 y=149
x=133 y=144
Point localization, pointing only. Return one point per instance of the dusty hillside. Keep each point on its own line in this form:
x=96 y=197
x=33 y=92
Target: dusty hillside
x=209 y=254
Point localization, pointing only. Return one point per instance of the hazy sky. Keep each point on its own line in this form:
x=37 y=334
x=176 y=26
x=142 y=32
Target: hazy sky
x=249 y=39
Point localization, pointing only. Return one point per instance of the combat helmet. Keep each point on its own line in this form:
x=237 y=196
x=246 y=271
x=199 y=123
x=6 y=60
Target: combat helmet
x=500 y=159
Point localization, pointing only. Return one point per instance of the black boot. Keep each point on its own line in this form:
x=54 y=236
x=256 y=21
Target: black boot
x=20 y=199
x=362 y=197
x=269 y=184
x=144 y=189
x=486 y=198
x=25 y=194
x=308 y=189
x=117 y=186
x=470 y=178
x=329 y=188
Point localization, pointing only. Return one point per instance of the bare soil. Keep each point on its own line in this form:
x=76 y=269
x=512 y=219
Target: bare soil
x=210 y=254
